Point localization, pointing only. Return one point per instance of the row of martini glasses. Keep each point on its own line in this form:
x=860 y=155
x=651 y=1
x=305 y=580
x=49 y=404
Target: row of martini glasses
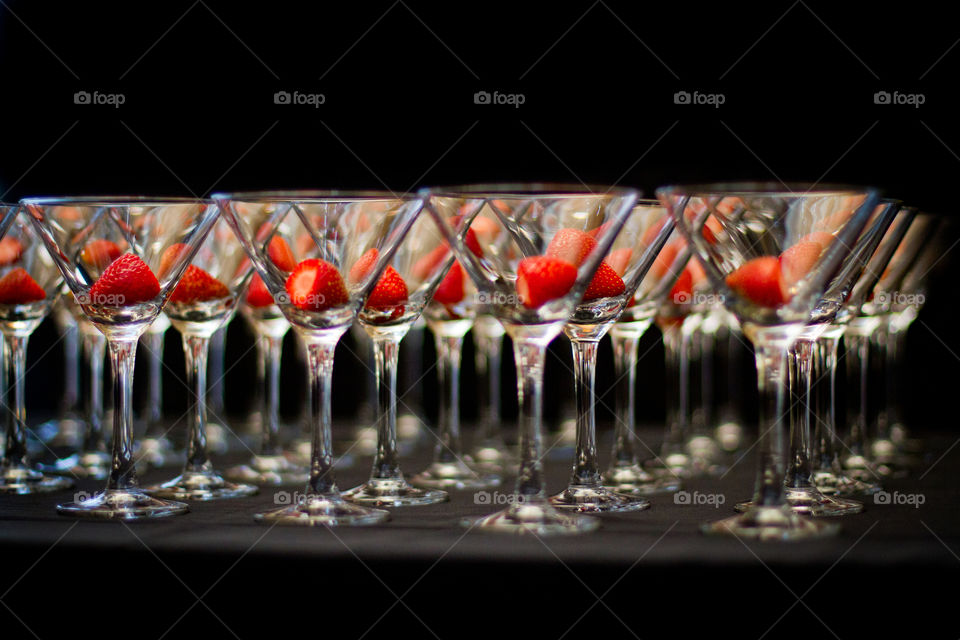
x=790 y=266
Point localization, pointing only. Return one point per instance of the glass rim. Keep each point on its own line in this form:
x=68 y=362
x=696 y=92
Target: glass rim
x=314 y=195
x=111 y=200
x=529 y=189
x=768 y=189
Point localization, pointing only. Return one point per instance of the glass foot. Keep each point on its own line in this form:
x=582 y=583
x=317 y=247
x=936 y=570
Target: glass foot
x=771 y=524
x=729 y=436
x=831 y=484
x=454 y=475
x=269 y=471
x=538 y=518
x=676 y=465
x=117 y=504
x=22 y=481
x=706 y=457
x=587 y=499
x=86 y=464
x=158 y=452
x=632 y=479
x=324 y=510
x=491 y=457
x=393 y=492
x=807 y=501
x=206 y=485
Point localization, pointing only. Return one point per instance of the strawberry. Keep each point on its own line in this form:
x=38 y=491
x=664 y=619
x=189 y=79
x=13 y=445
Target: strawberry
x=197 y=285
x=127 y=280
x=450 y=289
x=316 y=285
x=543 y=278
x=390 y=291
x=598 y=231
x=484 y=227
x=362 y=267
x=653 y=231
x=759 y=280
x=17 y=287
x=258 y=295
x=571 y=245
x=665 y=259
x=279 y=252
x=470 y=238
x=10 y=251
x=711 y=228
x=100 y=253
x=619 y=259
x=796 y=262
x=605 y=284
x=170 y=257
x=822 y=238
x=426 y=265
x=682 y=291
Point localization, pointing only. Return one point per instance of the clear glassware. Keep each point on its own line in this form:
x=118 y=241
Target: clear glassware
x=617 y=288
x=489 y=451
x=122 y=299
x=29 y=287
x=221 y=438
x=777 y=249
x=419 y=269
x=533 y=296
x=67 y=428
x=156 y=447
x=728 y=389
x=203 y=302
x=329 y=233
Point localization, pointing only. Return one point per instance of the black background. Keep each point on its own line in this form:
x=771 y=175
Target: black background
x=399 y=80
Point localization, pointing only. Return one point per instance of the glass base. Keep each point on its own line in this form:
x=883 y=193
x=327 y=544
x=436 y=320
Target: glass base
x=632 y=479
x=729 y=436
x=492 y=457
x=158 y=452
x=20 y=480
x=393 y=492
x=807 y=501
x=272 y=470
x=62 y=432
x=771 y=524
x=674 y=465
x=454 y=475
x=588 y=499
x=538 y=518
x=87 y=464
x=203 y=485
x=220 y=439
x=831 y=484
x=706 y=457
x=324 y=511
x=117 y=504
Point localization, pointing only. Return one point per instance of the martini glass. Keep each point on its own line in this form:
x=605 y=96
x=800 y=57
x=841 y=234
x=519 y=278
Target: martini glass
x=29 y=287
x=533 y=296
x=614 y=289
x=490 y=452
x=156 y=448
x=122 y=300
x=67 y=427
x=204 y=301
x=331 y=231
x=449 y=315
x=771 y=286
x=419 y=271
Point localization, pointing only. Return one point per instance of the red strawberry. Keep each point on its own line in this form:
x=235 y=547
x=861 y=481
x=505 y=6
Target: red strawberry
x=598 y=231
x=653 y=231
x=619 y=259
x=796 y=262
x=470 y=238
x=450 y=289
x=17 y=287
x=279 y=252
x=258 y=295
x=759 y=280
x=542 y=278
x=822 y=238
x=390 y=291
x=682 y=291
x=170 y=257
x=127 y=280
x=605 y=284
x=10 y=251
x=197 y=285
x=711 y=228
x=484 y=227
x=316 y=285
x=571 y=245
x=664 y=261
x=428 y=263
x=100 y=253
x=362 y=267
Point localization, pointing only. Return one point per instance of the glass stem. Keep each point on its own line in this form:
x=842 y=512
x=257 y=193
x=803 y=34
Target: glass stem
x=530 y=356
x=15 y=361
x=586 y=469
x=94 y=347
x=448 y=370
x=215 y=399
x=880 y=340
x=895 y=344
x=196 y=349
x=858 y=362
x=488 y=362
x=798 y=470
x=71 y=379
x=270 y=412
x=320 y=359
x=625 y=371
x=676 y=427
x=705 y=413
x=774 y=423
x=123 y=353
x=830 y=453
x=153 y=406
x=386 y=351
